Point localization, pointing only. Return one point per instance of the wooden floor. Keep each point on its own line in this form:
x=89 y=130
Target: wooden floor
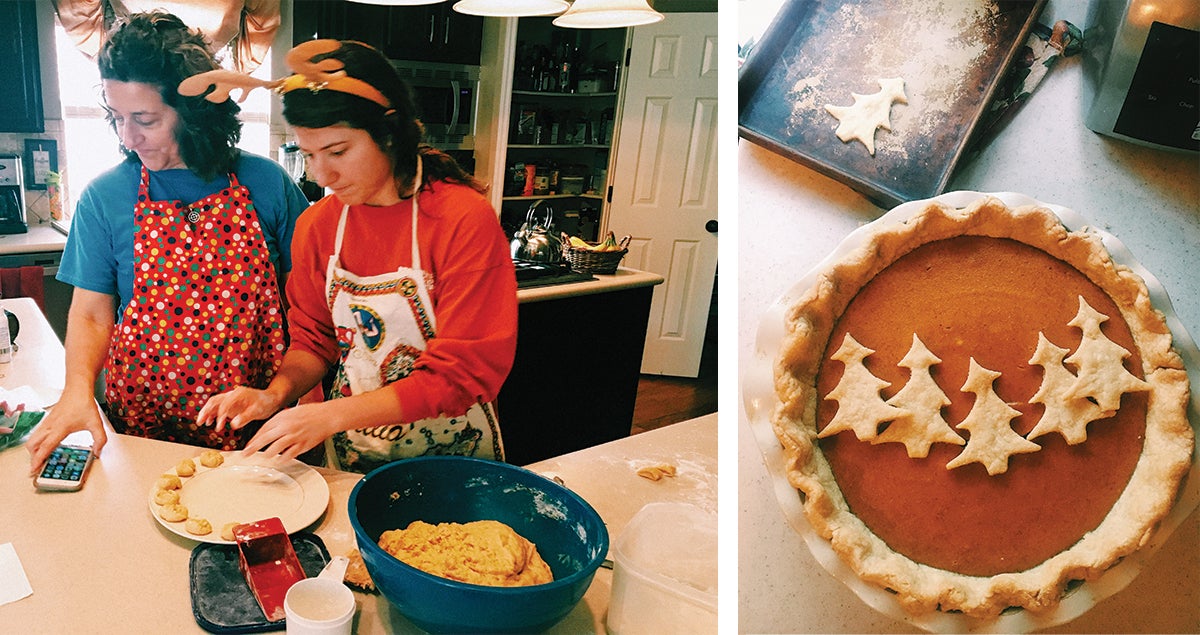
x=663 y=400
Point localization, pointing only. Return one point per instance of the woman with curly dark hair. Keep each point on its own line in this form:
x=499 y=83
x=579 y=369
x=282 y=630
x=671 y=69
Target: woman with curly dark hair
x=403 y=286
x=177 y=255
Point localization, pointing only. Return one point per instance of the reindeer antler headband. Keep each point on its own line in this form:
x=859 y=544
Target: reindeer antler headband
x=326 y=74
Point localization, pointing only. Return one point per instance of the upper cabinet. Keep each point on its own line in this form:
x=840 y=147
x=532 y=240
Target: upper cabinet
x=21 y=99
x=563 y=114
x=426 y=33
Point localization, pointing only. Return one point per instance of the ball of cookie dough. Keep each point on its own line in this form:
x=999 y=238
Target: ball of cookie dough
x=186 y=467
x=227 y=531
x=169 y=481
x=166 y=497
x=173 y=513
x=211 y=458
x=198 y=527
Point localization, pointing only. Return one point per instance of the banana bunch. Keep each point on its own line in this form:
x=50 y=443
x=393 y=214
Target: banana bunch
x=608 y=244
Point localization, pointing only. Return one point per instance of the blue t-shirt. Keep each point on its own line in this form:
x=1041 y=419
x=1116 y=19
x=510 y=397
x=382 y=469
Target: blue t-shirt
x=99 y=251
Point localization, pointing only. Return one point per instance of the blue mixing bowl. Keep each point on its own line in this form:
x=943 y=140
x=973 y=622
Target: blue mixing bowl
x=569 y=535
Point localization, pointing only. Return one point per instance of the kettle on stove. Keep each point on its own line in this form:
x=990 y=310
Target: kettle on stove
x=534 y=241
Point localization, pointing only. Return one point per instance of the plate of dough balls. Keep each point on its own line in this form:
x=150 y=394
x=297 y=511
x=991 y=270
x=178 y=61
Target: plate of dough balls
x=204 y=496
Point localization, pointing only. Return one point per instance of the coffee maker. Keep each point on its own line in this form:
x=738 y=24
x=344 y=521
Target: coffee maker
x=12 y=196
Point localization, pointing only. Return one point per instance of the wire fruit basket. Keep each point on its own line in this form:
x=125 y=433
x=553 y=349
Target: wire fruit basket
x=595 y=258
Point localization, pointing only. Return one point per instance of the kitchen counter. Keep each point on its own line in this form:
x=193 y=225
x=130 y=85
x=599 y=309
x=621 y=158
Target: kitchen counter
x=39 y=238
x=604 y=283
x=98 y=562
x=792 y=217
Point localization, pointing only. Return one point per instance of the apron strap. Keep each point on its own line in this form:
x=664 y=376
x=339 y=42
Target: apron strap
x=337 y=243
x=416 y=251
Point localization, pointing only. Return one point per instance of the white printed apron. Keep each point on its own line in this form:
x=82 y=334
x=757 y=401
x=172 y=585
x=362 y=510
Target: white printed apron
x=383 y=324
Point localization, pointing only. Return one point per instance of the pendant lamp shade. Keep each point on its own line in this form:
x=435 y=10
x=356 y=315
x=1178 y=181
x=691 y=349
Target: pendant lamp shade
x=511 y=8
x=605 y=14
x=398 y=3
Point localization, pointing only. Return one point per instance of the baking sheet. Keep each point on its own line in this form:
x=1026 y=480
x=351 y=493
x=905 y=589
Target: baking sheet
x=760 y=400
x=950 y=53
x=222 y=601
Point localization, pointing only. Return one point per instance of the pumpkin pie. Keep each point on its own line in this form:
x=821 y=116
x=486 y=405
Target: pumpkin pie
x=979 y=406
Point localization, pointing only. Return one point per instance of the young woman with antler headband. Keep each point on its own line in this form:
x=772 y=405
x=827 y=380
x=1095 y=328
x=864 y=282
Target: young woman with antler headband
x=403 y=285
x=186 y=243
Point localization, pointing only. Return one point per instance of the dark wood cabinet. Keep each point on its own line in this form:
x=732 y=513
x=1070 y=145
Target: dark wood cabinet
x=427 y=33
x=575 y=377
x=20 y=74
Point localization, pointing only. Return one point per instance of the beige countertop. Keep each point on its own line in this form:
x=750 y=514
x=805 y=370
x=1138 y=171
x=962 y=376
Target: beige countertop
x=622 y=279
x=791 y=217
x=41 y=237
x=98 y=562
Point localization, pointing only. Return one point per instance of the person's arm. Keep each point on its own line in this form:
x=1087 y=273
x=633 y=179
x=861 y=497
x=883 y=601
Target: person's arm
x=89 y=327
x=298 y=373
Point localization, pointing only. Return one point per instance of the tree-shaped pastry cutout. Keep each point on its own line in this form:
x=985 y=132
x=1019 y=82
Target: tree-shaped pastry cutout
x=859 y=120
x=990 y=424
x=921 y=424
x=1068 y=416
x=1101 y=374
x=860 y=408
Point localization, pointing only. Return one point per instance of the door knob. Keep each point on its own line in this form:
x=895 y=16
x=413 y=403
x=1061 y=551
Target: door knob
x=711 y=227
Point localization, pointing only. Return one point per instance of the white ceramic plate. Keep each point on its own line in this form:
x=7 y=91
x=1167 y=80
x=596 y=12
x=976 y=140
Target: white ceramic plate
x=245 y=490
x=758 y=394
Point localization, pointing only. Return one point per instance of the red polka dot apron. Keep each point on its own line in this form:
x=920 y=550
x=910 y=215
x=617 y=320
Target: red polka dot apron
x=205 y=316
x=383 y=323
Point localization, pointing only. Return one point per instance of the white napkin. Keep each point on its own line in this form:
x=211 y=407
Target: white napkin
x=24 y=395
x=13 y=583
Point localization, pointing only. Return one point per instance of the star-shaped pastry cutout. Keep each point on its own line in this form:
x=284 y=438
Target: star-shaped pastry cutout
x=859 y=121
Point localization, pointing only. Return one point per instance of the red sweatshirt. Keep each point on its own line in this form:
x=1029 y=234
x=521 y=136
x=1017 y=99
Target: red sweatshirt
x=474 y=290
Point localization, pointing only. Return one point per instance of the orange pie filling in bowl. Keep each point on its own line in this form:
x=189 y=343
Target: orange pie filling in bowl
x=979 y=406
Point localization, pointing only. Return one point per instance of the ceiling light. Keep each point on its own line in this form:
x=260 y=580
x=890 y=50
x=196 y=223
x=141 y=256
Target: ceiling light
x=604 y=14
x=398 y=3
x=511 y=8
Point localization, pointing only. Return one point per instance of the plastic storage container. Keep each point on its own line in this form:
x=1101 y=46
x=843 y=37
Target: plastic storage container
x=665 y=572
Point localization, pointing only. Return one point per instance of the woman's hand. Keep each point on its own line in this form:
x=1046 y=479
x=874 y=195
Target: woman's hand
x=238 y=407
x=294 y=431
x=70 y=414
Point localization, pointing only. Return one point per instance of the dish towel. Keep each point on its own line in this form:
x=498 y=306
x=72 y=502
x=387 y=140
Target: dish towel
x=24 y=282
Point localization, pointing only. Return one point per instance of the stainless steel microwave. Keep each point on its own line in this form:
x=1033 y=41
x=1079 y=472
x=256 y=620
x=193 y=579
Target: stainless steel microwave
x=447 y=97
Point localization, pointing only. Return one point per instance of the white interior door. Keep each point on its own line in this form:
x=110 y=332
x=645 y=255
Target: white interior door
x=665 y=181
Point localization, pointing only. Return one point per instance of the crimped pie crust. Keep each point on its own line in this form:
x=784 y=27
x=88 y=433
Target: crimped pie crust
x=1147 y=498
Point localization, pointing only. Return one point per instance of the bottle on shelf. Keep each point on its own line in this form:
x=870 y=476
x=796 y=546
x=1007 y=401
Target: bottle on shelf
x=567 y=69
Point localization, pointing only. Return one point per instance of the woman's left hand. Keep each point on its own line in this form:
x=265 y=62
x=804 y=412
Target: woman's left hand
x=293 y=431
x=237 y=408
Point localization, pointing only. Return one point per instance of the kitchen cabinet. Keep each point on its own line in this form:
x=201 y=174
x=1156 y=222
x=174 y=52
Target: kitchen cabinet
x=20 y=74
x=565 y=102
x=579 y=353
x=426 y=33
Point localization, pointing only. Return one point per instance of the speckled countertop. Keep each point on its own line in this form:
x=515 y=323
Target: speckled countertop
x=791 y=217
x=39 y=238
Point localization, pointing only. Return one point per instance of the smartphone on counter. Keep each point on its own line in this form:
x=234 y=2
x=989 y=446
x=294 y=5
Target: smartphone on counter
x=66 y=468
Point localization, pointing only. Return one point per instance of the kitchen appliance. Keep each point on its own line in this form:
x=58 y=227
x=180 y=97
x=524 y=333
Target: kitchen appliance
x=447 y=97
x=12 y=196
x=540 y=274
x=1140 y=67
x=536 y=241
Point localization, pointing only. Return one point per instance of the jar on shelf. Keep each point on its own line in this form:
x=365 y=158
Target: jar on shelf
x=541 y=180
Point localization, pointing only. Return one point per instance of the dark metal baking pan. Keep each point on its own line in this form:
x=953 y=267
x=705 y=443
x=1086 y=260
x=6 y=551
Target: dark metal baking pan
x=221 y=599
x=951 y=55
